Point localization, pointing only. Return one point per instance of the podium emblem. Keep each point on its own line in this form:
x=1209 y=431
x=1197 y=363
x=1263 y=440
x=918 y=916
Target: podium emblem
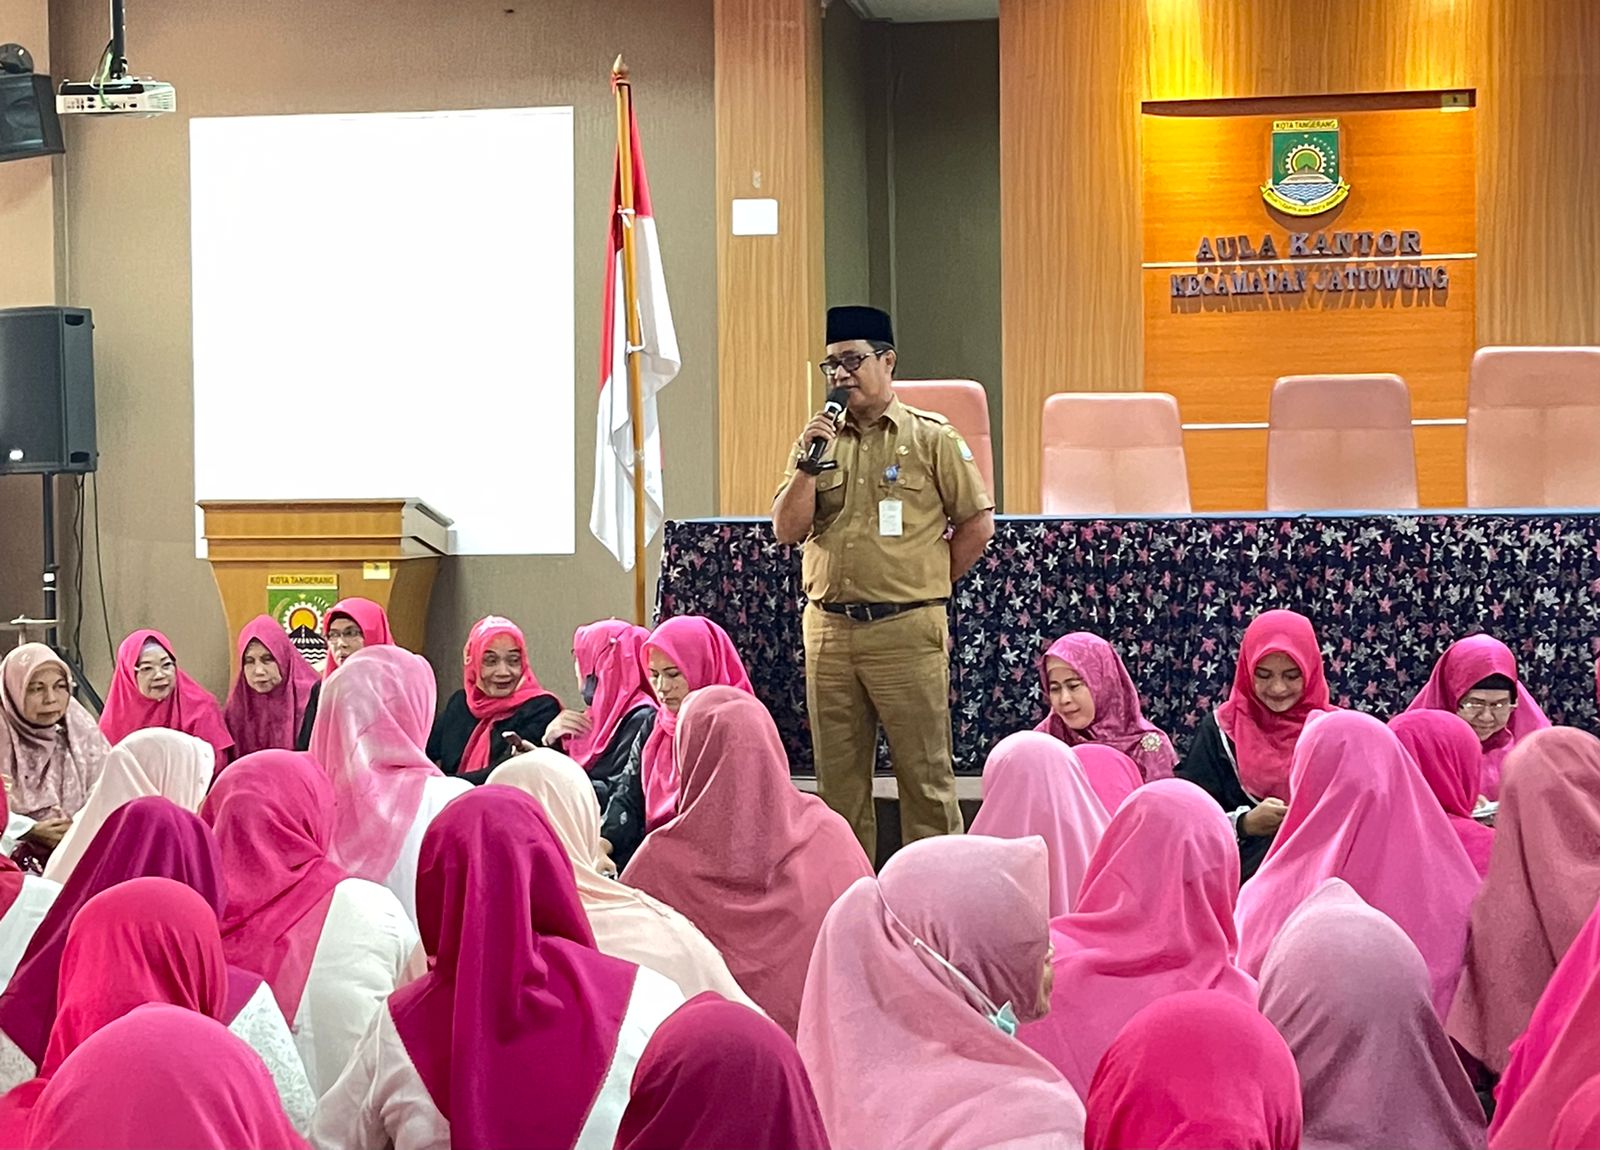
x=1304 y=179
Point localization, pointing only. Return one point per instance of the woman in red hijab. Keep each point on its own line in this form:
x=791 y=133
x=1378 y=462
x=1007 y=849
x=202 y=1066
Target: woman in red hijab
x=149 y=690
x=349 y=626
x=500 y=696
x=1241 y=753
x=273 y=688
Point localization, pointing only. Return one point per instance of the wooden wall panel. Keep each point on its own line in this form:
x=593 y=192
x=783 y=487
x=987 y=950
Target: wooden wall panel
x=770 y=288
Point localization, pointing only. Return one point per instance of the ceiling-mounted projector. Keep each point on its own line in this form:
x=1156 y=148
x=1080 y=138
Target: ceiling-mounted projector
x=113 y=92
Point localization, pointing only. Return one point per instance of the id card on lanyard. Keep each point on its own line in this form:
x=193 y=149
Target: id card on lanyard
x=891 y=510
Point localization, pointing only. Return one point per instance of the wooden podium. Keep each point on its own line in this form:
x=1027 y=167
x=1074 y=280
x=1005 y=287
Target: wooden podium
x=386 y=550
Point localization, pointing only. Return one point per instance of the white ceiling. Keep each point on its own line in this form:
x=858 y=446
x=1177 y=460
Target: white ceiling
x=908 y=11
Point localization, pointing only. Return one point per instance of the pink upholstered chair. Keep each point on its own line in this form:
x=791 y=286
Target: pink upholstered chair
x=1340 y=442
x=1533 y=427
x=964 y=404
x=1113 y=453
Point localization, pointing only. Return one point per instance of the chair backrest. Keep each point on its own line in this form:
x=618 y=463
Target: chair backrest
x=1340 y=441
x=1533 y=425
x=1113 y=453
x=964 y=404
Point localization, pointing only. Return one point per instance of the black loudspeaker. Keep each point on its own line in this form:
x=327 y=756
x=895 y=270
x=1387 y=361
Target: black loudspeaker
x=46 y=391
x=28 y=122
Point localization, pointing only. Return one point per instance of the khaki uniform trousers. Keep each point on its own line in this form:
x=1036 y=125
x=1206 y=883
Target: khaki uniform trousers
x=895 y=671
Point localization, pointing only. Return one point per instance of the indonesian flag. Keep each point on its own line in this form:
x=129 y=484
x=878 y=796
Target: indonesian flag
x=611 y=519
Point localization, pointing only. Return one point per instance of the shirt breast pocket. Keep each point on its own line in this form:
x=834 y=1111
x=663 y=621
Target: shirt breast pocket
x=909 y=484
x=830 y=495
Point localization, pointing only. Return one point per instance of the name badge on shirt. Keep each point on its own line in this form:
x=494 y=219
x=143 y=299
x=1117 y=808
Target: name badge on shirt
x=890 y=518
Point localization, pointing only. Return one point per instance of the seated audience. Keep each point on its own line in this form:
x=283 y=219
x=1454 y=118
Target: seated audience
x=521 y=1033
x=1351 y=995
x=1446 y=750
x=149 y=689
x=1241 y=753
x=24 y=901
x=917 y=985
x=1361 y=812
x=1195 y=1070
x=500 y=697
x=1477 y=679
x=1112 y=774
x=1092 y=700
x=1154 y=917
x=748 y=858
x=1033 y=785
x=272 y=688
x=349 y=625
x=619 y=709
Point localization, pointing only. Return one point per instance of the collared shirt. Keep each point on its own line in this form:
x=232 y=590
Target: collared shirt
x=911 y=456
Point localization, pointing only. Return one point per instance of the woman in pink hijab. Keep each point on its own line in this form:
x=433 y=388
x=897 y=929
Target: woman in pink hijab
x=1446 y=750
x=1196 y=1070
x=1241 y=753
x=749 y=859
x=349 y=626
x=148 y=689
x=1544 y=879
x=1154 y=917
x=1111 y=773
x=1350 y=994
x=620 y=710
x=271 y=692
x=1362 y=813
x=521 y=1033
x=1477 y=679
x=1033 y=785
x=918 y=982
x=1091 y=699
x=500 y=704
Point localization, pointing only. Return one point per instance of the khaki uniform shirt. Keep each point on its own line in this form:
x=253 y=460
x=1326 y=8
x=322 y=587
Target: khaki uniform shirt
x=909 y=455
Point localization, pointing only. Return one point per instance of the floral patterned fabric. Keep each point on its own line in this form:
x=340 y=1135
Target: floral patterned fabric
x=1388 y=593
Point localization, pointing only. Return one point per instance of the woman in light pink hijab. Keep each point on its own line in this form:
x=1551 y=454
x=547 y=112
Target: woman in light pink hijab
x=1360 y=811
x=51 y=749
x=1544 y=879
x=1092 y=699
x=1350 y=994
x=1154 y=917
x=917 y=983
x=1033 y=785
x=1111 y=773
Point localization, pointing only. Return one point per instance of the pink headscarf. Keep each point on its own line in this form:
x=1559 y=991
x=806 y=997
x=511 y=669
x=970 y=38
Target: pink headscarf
x=162 y=1076
x=1033 y=785
x=1361 y=812
x=1446 y=749
x=1194 y=1071
x=1264 y=741
x=717 y=1076
x=1118 y=719
x=706 y=656
x=372 y=726
x=1578 y=1125
x=364 y=613
x=1349 y=992
x=47 y=771
x=750 y=860
x=610 y=651
x=900 y=1052
x=1466 y=663
x=189 y=707
x=507 y=994
x=1154 y=917
x=1544 y=878
x=1111 y=773
x=10 y=872
x=486 y=708
x=272 y=814
x=260 y=722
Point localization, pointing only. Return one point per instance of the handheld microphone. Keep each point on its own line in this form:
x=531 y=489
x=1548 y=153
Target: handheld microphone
x=834 y=405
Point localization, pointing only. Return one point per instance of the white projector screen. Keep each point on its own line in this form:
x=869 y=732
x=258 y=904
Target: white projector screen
x=383 y=307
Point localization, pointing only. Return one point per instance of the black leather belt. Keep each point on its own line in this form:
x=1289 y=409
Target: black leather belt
x=872 y=612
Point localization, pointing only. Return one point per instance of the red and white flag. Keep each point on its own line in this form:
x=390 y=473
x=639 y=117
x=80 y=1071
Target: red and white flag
x=611 y=518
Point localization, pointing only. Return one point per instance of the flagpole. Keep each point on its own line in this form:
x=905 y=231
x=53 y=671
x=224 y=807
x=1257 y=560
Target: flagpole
x=623 y=89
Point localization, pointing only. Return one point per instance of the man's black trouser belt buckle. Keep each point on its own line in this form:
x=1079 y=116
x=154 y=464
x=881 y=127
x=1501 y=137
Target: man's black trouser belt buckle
x=872 y=612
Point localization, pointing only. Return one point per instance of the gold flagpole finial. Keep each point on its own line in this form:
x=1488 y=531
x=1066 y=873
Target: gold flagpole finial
x=619 y=70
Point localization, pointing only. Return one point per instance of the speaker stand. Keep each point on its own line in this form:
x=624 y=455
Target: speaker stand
x=51 y=619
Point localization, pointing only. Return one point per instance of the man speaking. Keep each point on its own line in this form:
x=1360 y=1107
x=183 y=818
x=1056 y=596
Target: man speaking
x=872 y=487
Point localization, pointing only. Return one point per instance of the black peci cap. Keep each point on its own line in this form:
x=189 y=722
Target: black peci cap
x=849 y=323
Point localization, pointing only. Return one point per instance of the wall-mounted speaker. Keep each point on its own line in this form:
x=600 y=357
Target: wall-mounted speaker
x=28 y=122
x=47 y=391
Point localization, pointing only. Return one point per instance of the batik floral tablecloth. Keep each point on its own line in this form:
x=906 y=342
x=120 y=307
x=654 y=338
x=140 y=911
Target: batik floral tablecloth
x=1388 y=592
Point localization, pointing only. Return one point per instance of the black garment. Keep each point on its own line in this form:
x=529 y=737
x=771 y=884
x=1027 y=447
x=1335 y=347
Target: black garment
x=1210 y=766
x=302 y=741
x=622 y=825
x=606 y=771
x=452 y=730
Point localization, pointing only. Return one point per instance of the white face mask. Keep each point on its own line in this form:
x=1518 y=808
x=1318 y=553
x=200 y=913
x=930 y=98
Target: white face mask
x=1003 y=1018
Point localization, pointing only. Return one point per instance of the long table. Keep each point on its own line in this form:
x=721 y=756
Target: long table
x=1388 y=591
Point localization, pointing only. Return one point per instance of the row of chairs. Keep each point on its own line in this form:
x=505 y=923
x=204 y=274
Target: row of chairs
x=1333 y=441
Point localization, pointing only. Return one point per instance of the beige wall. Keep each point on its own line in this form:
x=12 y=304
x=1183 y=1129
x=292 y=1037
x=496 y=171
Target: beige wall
x=127 y=209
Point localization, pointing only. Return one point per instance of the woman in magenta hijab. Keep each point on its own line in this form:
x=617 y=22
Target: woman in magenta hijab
x=349 y=626
x=521 y=1033
x=1361 y=812
x=1195 y=1070
x=1154 y=917
x=619 y=710
x=1241 y=753
x=749 y=859
x=149 y=690
x=1477 y=679
x=1351 y=996
x=273 y=688
x=1446 y=750
x=1111 y=773
x=500 y=696
x=1092 y=700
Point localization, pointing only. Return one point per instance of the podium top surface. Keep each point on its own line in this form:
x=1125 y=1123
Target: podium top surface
x=242 y=527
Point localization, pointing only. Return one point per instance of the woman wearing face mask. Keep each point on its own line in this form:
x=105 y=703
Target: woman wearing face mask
x=269 y=698
x=501 y=696
x=1241 y=753
x=619 y=710
x=150 y=690
x=1093 y=700
x=348 y=627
